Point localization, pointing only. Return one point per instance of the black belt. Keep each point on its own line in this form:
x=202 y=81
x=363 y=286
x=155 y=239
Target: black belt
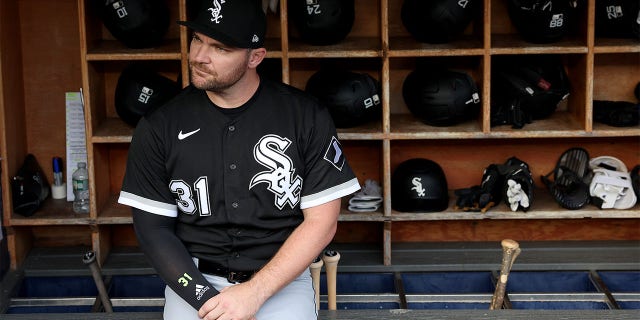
x=219 y=270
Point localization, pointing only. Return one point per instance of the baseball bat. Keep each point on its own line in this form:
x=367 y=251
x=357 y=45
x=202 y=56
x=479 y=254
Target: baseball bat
x=331 y=259
x=510 y=250
x=316 y=267
x=89 y=259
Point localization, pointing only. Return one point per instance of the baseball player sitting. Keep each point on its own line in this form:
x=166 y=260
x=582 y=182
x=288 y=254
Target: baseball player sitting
x=235 y=184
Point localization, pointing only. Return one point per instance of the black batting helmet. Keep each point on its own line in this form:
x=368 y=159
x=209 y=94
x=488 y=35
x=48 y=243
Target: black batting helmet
x=419 y=185
x=441 y=97
x=140 y=90
x=437 y=21
x=136 y=23
x=322 y=22
x=541 y=21
x=352 y=98
x=618 y=18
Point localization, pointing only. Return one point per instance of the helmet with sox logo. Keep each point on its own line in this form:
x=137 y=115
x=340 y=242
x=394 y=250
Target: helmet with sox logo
x=322 y=22
x=136 y=23
x=419 y=185
x=437 y=21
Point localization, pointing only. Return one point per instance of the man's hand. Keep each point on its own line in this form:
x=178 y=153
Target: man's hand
x=237 y=302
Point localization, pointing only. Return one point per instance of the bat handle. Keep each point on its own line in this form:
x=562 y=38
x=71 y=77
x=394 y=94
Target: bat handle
x=89 y=259
x=316 y=267
x=510 y=250
x=331 y=259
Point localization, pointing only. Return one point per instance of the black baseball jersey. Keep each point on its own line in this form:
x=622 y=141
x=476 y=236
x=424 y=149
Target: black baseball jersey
x=237 y=184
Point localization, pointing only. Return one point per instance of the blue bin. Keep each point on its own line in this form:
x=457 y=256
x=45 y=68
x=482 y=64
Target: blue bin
x=55 y=287
x=45 y=287
x=448 y=283
x=559 y=305
x=620 y=282
x=550 y=281
x=137 y=286
x=564 y=290
x=379 y=286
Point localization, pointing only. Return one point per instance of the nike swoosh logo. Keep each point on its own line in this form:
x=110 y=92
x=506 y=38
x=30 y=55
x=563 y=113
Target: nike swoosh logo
x=182 y=136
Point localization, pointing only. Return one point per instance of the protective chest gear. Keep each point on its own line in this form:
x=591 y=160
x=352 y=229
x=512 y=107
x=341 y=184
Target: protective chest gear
x=611 y=186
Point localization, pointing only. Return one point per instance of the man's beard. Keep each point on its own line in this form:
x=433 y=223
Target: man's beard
x=213 y=82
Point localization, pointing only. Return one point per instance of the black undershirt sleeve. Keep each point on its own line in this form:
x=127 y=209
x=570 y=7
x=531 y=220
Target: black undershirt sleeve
x=170 y=258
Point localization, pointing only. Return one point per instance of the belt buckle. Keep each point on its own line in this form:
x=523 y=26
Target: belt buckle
x=231 y=277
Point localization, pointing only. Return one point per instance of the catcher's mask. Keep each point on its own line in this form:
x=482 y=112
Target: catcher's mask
x=569 y=186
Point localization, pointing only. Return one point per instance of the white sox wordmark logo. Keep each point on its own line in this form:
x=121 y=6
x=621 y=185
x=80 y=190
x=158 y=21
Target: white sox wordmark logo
x=281 y=177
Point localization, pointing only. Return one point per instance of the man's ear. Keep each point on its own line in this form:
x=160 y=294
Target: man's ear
x=256 y=56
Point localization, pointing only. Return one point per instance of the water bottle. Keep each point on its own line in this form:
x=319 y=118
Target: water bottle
x=81 y=189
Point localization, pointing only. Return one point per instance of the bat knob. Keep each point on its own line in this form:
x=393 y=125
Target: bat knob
x=89 y=257
x=331 y=256
x=510 y=244
x=317 y=263
x=331 y=253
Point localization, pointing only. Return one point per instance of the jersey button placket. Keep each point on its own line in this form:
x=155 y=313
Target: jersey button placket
x=231 y=165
